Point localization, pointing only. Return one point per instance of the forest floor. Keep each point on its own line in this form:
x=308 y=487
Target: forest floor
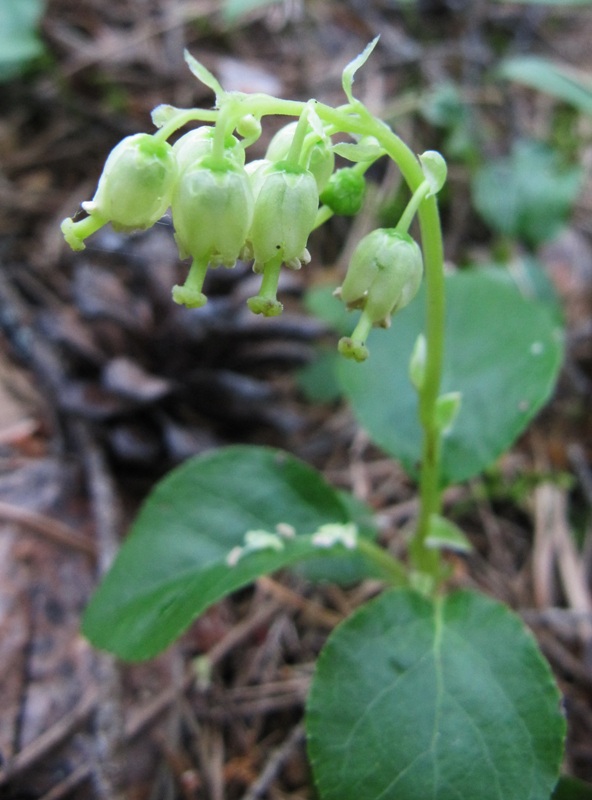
x=105 y=385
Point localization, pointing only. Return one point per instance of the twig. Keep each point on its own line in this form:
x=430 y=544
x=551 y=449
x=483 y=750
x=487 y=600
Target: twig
x=79 y=775
x=275 y=763
x=48 y=527
x=49 y=739
x=238 y=633
x=108 y=771
x=313 y=611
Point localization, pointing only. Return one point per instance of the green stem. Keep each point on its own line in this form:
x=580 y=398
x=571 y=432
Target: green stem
x=406 y=218
x=196 y=275
x=387 y=566
x=223 y=125
x=362 y=330
x=296 y=147
x=323 y=214
x=76 y=232
x=182 y=118
x=423 y=558
x=190 y=293
x=271 y=277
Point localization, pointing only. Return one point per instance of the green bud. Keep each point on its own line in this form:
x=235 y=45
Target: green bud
x=249 y=127
x=345 y=191
x=384 y=275
x=286 y=203
x=134 y=190
x=212 y=210
x=197 y=145
x=321 y=159
x=434 y=169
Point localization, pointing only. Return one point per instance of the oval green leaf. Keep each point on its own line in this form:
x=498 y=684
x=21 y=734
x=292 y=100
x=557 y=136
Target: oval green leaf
x=213 y=525
x=447 y=699
x=503 y=354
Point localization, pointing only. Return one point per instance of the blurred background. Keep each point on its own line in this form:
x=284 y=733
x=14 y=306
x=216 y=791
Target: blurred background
x=105 y=384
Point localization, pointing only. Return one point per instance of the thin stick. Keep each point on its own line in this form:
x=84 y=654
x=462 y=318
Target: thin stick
x=48 y=527
x=49 y=739
x=275 y=763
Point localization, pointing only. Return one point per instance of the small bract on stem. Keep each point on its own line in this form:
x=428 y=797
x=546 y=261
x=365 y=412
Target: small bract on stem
x=224 y=209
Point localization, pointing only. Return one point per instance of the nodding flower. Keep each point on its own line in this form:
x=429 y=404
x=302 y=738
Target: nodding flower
x=134 y=190
x=286 y=204
x=212 y=210
x=384 y=275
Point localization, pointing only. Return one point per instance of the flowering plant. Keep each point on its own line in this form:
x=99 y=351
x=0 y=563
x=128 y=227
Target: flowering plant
x=425 y=691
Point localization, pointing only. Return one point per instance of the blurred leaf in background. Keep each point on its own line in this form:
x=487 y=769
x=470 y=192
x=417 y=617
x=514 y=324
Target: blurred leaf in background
x=527 y=195
x=19 y=40
x=559 y=80
x=236 y=8
x=445 y=107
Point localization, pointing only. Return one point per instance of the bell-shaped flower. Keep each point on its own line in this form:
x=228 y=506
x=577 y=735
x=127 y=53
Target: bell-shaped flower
x=134 y=190
x=286 y=204
x=212 y=211
x=384 y=275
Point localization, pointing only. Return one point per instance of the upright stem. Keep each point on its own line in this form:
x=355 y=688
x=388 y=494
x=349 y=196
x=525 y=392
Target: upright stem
x=430 y=492
x=422 y=557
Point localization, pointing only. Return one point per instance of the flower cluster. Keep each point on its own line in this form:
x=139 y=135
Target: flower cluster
x=225 y=209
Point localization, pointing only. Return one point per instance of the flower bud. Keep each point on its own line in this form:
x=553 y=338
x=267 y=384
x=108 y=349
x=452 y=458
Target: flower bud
x=135 y=188
x=286 y=203
x=197 y=144
x=384 y=275
x=249 y=127
x=321 y=161
x=344 y=193
x=212 y=210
